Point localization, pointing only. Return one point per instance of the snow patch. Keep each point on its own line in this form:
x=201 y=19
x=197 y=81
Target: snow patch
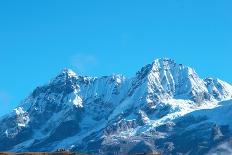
x=75 y=99
x=22 y=117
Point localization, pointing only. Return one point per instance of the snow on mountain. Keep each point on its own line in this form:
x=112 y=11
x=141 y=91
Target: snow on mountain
x=165 y=107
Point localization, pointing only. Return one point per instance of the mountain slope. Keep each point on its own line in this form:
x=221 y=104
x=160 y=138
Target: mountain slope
x=165 y=108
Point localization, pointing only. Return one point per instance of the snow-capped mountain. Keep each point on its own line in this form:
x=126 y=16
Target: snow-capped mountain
x=166 y=108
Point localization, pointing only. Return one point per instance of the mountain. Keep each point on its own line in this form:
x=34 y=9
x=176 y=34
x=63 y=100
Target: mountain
x=165 y=108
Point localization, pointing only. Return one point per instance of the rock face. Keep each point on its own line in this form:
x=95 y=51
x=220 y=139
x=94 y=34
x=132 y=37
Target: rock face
x=165 y=108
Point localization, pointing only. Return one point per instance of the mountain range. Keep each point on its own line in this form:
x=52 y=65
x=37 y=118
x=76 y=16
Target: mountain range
x=165 y=108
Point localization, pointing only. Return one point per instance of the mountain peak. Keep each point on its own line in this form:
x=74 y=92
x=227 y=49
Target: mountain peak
x=64 y=75
x=170 y=79
x=163 y=60
x=163 y=65
x=166 y=64
x=68 y=72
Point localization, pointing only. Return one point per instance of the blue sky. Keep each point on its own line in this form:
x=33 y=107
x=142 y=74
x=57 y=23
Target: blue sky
x=94 y=37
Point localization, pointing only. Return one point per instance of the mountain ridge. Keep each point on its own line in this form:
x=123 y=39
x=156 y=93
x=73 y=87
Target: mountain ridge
x=118 y=115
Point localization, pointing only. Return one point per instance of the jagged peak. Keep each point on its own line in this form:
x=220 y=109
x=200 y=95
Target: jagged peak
x=168 y=63
x=167 y=77
x=68 y=72
x=219 y=84
x=164 y=64
x=210 y=80
x=64 y=75
x=163 y=61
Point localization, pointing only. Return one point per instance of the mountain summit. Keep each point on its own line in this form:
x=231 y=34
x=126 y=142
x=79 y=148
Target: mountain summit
x=166 y=108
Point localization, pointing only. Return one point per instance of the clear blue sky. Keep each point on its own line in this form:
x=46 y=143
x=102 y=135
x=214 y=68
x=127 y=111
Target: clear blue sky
x=93 y=37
